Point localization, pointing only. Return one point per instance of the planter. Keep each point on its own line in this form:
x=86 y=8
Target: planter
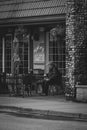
x=81 y=93
x=70 y=94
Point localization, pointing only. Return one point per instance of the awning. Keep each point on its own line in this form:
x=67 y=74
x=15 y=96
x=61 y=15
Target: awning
x=12 y=10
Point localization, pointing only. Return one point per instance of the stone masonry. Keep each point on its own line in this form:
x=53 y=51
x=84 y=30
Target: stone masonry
x=76 y=42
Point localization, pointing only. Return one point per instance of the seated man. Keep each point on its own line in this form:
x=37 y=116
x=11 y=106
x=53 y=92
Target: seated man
x=54 y=78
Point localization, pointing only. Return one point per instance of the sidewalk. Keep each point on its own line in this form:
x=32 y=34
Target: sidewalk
x=49 y=107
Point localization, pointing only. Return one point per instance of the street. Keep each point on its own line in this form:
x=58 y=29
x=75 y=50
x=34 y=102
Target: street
x=10 y=122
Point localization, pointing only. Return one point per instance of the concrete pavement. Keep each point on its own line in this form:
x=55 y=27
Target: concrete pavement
x=50 y=107
x=11 y=122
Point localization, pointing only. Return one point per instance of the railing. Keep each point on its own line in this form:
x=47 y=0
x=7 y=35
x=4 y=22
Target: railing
x=16 y=86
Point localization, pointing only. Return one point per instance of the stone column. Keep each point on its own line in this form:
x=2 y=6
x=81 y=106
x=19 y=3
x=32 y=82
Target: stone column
x=75 y=40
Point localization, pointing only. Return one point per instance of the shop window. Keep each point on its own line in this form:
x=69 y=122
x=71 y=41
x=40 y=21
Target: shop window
x=8 y=43
x=23 y=53
x=0 y=54
x=57 y=51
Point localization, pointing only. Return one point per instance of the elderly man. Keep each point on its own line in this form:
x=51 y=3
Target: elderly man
x=54 y=78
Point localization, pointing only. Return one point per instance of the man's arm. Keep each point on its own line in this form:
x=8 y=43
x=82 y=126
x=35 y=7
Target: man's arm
x=52 y=74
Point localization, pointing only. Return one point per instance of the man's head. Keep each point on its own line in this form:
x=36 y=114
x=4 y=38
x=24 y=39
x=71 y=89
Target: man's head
x=51 y=65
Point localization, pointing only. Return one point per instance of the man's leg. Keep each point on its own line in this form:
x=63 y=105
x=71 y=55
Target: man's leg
x=47 y=87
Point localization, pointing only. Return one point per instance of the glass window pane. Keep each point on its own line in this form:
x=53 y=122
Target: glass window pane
x=8 y=41
x=23 y=52
x=0 y=54
x=57 y=51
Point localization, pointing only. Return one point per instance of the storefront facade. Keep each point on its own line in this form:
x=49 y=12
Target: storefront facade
x=40 y=42
x=48 y=31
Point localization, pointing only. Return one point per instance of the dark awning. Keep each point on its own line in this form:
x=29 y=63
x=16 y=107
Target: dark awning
x=18 y=10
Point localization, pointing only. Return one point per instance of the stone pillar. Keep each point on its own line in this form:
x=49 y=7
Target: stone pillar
x=75 y=40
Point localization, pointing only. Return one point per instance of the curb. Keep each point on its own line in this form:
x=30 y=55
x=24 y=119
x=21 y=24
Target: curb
x=42 y=114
